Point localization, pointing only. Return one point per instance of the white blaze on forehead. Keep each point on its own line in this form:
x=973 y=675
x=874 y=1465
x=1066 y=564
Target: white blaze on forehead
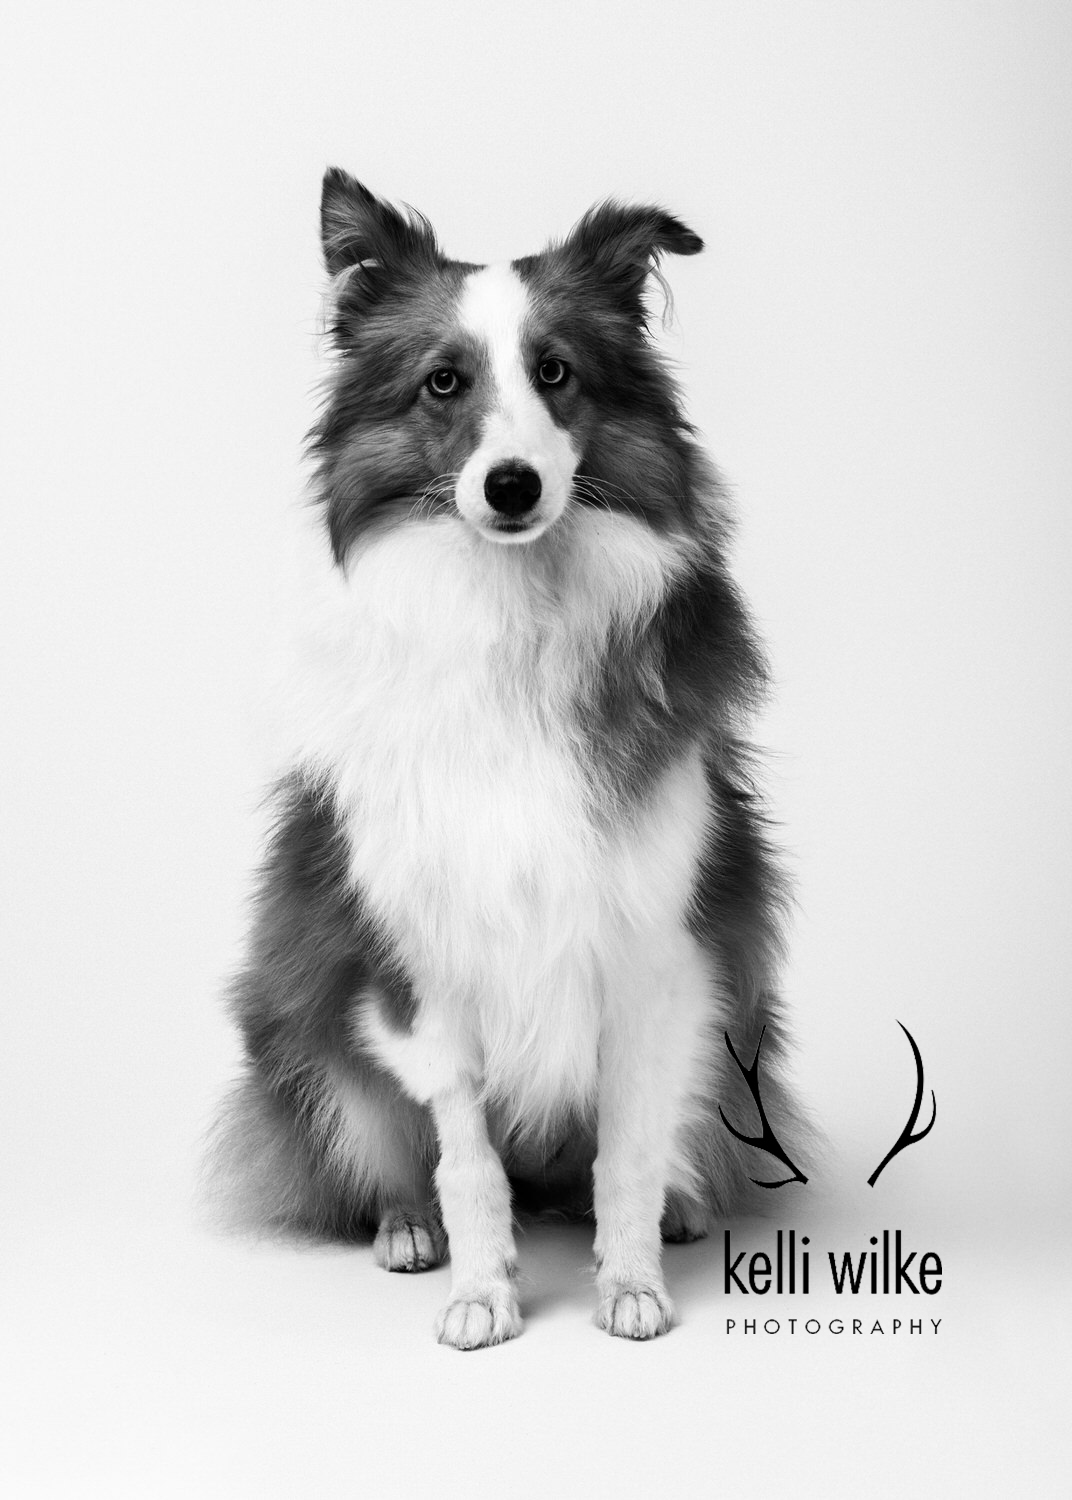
x=494 y=308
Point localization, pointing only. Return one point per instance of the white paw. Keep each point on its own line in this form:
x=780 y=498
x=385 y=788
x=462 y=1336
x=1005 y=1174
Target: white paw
x=407 y=1242
x=629 y=1310
x=474 y=1322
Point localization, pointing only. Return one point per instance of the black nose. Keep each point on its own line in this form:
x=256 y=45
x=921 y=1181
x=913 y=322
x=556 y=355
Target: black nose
x=512 y=488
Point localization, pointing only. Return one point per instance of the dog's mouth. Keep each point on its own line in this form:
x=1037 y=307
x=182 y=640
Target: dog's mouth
x=513 y=530
x=518 y=527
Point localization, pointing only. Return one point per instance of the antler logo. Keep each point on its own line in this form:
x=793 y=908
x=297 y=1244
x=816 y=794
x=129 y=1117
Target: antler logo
x=767 y=1140
x=906 y=1138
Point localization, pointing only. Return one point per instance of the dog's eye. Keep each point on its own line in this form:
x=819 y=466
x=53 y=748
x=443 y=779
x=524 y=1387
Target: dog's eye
x=552 y=372
x=443 y=382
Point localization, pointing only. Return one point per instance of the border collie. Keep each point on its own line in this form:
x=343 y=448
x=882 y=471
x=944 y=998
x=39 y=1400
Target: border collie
x=519 y=892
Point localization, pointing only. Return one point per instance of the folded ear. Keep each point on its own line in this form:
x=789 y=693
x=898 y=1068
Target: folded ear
x=623 y=243
x=359 y=229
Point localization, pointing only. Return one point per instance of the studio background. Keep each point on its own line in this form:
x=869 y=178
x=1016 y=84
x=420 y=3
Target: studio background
x=877 y=347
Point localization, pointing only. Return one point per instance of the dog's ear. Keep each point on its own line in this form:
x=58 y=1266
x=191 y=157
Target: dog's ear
x=359 y=229
x=622 y=244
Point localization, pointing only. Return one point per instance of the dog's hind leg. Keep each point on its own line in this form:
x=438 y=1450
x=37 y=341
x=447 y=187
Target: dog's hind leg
x=380 y=1146
x=684 y=1218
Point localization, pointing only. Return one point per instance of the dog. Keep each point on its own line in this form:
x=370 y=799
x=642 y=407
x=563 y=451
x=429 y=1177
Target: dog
x=520 y=891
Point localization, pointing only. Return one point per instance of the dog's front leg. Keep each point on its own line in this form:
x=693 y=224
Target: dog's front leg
x=474 y=1196
x=653 y=1045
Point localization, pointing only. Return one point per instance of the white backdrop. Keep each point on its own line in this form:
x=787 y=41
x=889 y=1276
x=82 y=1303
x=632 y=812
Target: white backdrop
x=878 y=347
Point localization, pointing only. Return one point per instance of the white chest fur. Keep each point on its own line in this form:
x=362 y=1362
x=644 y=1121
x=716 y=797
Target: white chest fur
x=440 y=704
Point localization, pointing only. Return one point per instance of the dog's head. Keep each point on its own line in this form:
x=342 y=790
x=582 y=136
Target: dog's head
x=500 y=393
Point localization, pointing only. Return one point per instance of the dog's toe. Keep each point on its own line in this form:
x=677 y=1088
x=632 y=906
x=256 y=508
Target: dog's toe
x=635 y=1312
x=407 y=1242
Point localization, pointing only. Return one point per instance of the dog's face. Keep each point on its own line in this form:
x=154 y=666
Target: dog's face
x=501 y=394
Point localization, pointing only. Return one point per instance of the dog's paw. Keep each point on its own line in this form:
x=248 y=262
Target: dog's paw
x=629 y=1310
x=684 y=1221
x=408 y=1241
x=476 y=1322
